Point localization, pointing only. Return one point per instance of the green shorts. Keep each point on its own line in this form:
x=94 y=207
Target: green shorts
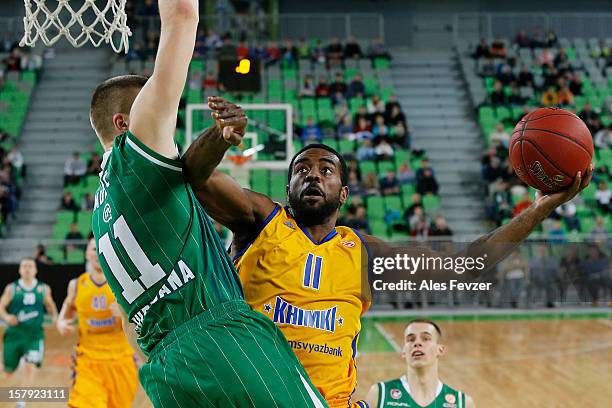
x=228 y=356
x=20 y=343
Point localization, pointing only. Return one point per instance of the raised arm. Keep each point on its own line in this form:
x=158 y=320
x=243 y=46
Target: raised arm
x=50 y=304
x=240 y=210
x=5 y=300
x=372 y=397
x=65 y=320
x=153 y=114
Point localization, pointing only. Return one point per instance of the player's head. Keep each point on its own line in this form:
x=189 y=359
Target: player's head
x=27 y=269
x=422 y=343
x=317 y=184
x=91 y=254
x=111 y=103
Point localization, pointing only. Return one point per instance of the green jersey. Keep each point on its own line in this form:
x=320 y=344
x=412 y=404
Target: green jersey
x=396 y=393
x=29 y=307
x=159 y=250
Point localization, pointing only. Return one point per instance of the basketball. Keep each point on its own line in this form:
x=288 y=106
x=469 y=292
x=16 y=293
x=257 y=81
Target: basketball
x=548 y=147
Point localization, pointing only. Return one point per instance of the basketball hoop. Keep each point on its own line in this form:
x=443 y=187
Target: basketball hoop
x=239 y=159
x=64 y=21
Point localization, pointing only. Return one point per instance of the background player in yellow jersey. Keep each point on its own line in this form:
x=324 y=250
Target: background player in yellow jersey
x=301 y=270
x=105 y=373
x=22 y=307
x=421 y=385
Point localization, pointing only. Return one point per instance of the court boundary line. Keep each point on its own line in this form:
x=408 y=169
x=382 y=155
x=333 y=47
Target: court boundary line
x=388 y=338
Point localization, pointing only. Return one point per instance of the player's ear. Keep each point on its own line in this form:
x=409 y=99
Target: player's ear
x=121 y=122
x=441 y=350
x=344 y=194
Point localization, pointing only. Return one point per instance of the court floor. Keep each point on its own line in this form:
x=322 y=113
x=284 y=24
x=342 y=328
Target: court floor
x=530 y=361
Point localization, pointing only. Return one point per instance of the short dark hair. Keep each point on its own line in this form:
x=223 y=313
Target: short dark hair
x=110 y=97
x=343 y=166
x=427 y=321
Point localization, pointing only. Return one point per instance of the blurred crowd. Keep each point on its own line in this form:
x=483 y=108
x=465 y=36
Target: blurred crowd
x=12 y=170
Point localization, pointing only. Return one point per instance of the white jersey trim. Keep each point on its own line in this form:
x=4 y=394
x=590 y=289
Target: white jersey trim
x=150 y=158
x=382 y=395
x=404 y=381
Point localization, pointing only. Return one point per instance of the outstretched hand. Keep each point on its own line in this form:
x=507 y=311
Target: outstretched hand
x=229 y=118
x=553 y=200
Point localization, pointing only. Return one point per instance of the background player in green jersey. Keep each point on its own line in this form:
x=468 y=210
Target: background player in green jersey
x=421 y=385
x=22 y=307
x=164 y=260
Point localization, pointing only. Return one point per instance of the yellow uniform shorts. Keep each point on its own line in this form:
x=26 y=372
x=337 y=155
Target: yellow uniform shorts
x=103 y=384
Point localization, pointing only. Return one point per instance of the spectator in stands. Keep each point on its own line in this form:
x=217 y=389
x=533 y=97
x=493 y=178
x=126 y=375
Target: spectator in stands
x=500 y=135
x=589 y=116
x=515 y=98
x=565 y=96
x=308 y=87
x=603 y=195
x=361 y=114
x=356 y=89
x=41 y=256
x=567 y=213
x=322 y=88
x=87 y=202
x=390 y=104
x=418 y=224
x=312 y=132
x=338 y=98
x=200 y=43
x=354 y=184
x=352 y=48
x=213 y=41
x=482 y=50
x=551 y=39
x=13 y=61
x=379 y=128
x=500 y=202
x=375 y=105
x=345 y=129
x=543 y=273
x=8 y=42
x=505 y=75
x=396 y=116
x=550 y=97
x=599 y=233
x=426 y=182
x=242 y=51
x=400 y=136
x=556 y=233
x=135 y=53
x=497 y=97
x=595 y=273
x=289 y=51
x=210 y=80
x=152 y=42
x=522 y=205
x=356 y=218
x=424 y=166
x=366 y=151
x=371 y=185
x=537 y=38
x=74 y=234
x=570 y=274
x=441 y=228
x=405 y=174
x=384 y=151
x=494 y=170
x=389 y=184
x=148 y=9
x=334 y=52
x=603 y=138
x=228 y=50
x=303 y=50
x=377 y=49
x=259 y=52
x=525 y=77
x=561 y=59
x=498 y=48
x=317 y=54
x=338 y=85
x=575 y=84
x=415 y=201
x=94 y=164
x=513 y=272
x=522 y=39
x=546 y=57
x=68 y=202
x=74 y=169
x=195 y=81
x=15 y=158
x=8 y=195
x=363 y=130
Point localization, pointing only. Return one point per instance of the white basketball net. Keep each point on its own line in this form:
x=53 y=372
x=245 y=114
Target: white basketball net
x=50 y=26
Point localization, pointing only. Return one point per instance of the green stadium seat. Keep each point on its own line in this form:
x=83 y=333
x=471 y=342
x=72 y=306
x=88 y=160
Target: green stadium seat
x=381 y=63
x=75 y=256
x=346 y=146
x=56 y=254
x=379 y=228
x=401 y=156
x=431 y=202
x=367 y=167
x=259 y=180
x=84 y=222
x=375 y=207
x=393 y=202
x=502 y=113
x=384 y=166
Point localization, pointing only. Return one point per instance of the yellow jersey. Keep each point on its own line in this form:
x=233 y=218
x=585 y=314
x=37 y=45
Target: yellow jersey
x=315 y=292
x=101 y=336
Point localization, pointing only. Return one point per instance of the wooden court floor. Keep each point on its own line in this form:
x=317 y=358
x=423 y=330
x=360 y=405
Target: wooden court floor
x=502 y=364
